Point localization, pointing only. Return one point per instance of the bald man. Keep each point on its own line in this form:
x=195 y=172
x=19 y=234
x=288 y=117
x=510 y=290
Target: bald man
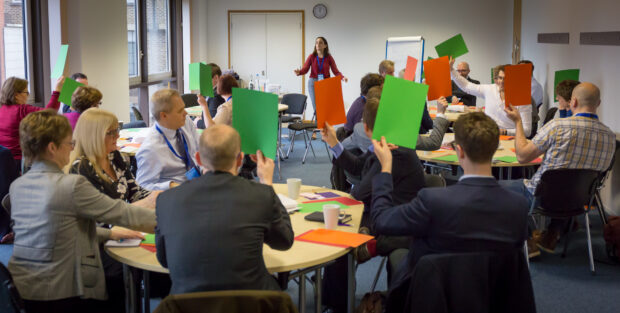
x=210 y=231
x=564 y=142
x=467 y=99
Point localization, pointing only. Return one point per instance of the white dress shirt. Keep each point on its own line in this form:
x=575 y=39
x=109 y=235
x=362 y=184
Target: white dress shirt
x=494 y=105
x=157 y=165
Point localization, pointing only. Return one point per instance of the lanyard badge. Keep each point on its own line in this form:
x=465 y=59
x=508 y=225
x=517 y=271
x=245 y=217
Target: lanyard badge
x=320 y=63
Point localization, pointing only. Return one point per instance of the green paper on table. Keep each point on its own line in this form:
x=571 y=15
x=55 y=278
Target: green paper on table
x=454 y=47
x=318 y=206
x=200 y=79
x=133 y=130
x=564 y=75
x=149 y=239
x=506 y=159
x=68 y=88
x=59 y=67
x=447 y=158
x=400 y=112
x=255 y=117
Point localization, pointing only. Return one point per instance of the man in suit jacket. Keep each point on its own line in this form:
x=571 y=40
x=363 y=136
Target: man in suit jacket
x=476 y=214
x=211 y=230
x=467 y=99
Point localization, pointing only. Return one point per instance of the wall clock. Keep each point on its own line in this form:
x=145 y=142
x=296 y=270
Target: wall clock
x=319 y=10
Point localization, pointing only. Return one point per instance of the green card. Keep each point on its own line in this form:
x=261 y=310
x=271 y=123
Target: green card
x=400 y=112
x=318 y=206
x=149 y=239
x=506 y=159
x=200 y=79
x=454 y=47
x=67 y=90
x=564 y=75
x=447 y=158
x=255 y=117
x=59 y=67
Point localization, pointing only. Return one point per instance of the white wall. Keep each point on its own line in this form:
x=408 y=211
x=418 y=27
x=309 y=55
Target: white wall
x=599 y=64
x=357 y=30
x=97 y=38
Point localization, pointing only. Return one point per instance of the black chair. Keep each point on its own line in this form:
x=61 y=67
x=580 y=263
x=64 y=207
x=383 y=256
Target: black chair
x=563 y=193
x=468 y=282
x=190 y=99
x=550 y=114
x=134 y=124
x=238 y=301
x=305 y=128
x=10 y=300
x=598 y=203
x=137 y=114
x=296 y=105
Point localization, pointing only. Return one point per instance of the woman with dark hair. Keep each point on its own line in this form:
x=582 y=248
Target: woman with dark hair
x=13 y=109
x=319 y=63
x=224 y=112
x=83 y=98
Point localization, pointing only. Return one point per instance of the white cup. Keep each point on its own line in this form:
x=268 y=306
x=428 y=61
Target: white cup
x=330 y=215
x=294 y=186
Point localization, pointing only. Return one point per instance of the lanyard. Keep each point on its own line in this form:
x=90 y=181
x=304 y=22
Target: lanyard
x=186 y=158
x=320 y=62
x=590 y=115
x=228 y=99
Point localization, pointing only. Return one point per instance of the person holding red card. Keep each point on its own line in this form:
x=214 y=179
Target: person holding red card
x=494 y=97
x=319 y=63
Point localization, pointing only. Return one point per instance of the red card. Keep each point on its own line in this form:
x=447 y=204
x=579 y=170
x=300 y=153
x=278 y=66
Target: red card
x=343 y=200
x=412 y=64
x=518 y=84
x=437 y=74
x=329 y=102
x=149 y=247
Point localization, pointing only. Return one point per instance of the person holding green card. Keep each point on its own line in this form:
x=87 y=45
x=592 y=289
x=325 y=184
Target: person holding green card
x=13 y=108
x=564 y=91
x=224 y=112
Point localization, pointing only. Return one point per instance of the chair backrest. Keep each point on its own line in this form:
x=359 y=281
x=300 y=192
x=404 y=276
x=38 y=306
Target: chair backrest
x=566 y=190
x=190 y=99
x=228 y=301
x=10 y=300
x=550 y=114
x=6 y=203
x=431 y=180
x=134 y=124
x=296 y=103
x=470 y=282
x=137 y=114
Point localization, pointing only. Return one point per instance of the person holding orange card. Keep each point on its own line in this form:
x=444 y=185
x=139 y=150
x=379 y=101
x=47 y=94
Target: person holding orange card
x=495 y=99
x=329 y=102
x=437 y=75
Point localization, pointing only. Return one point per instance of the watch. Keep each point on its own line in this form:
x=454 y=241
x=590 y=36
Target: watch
x=319 y=10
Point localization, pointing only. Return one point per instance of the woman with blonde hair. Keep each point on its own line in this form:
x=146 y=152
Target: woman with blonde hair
x=96 y=157
x=83 y=98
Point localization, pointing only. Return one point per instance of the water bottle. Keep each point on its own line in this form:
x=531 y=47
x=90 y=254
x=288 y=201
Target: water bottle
x=251 y=83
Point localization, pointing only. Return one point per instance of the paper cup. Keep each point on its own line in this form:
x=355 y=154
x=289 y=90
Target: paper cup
x=330 y=215
x=294 y=186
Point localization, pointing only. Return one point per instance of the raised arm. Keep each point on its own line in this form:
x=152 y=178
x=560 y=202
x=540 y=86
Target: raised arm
x=304 y=69
x=54 y=104
x=334 y=67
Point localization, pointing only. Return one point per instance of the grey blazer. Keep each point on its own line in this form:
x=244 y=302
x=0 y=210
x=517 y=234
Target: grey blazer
x=56 y=254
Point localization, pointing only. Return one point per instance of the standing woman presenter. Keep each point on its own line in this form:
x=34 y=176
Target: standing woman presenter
x=319 y=63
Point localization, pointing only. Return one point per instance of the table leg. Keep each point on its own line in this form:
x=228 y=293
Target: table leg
x=302 y=293
x=317 y=292
x=131 y=298
x=501 y=173
x=509 y=173
x=350 y=283
x=147 y=292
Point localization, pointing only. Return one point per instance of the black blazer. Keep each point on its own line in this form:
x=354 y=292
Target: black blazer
x=408 y=176
x=466 y=98
x=476 y=214
x=210 y=233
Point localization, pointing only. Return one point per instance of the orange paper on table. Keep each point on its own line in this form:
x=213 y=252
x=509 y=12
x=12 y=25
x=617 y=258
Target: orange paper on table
x=329 y=103
x=503 y=137
x=437 y=74
x=334 y=238
x=412 y=64
x=518 y=84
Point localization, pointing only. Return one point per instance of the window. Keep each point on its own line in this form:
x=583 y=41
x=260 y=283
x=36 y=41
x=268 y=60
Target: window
x=13 y=40
x=151 y=47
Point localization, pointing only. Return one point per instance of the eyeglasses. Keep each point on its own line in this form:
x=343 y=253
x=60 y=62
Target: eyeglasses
x=113 y=133
x=453 y=145
x=26 y=92
x=71 y=143
x=462 y=71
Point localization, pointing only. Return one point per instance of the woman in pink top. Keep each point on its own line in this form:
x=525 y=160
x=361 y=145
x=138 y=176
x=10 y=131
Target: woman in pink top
x=319 y=62
x=13 y=109
x=83 y=98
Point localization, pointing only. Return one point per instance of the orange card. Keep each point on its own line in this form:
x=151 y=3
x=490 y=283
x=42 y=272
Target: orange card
x=412 y=64
x=503 y=137
x=334 y=238
x=329 y=103
x=518 y=84
x=437 y=74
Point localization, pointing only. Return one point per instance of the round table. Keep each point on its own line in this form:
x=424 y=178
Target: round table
x=302 y=256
